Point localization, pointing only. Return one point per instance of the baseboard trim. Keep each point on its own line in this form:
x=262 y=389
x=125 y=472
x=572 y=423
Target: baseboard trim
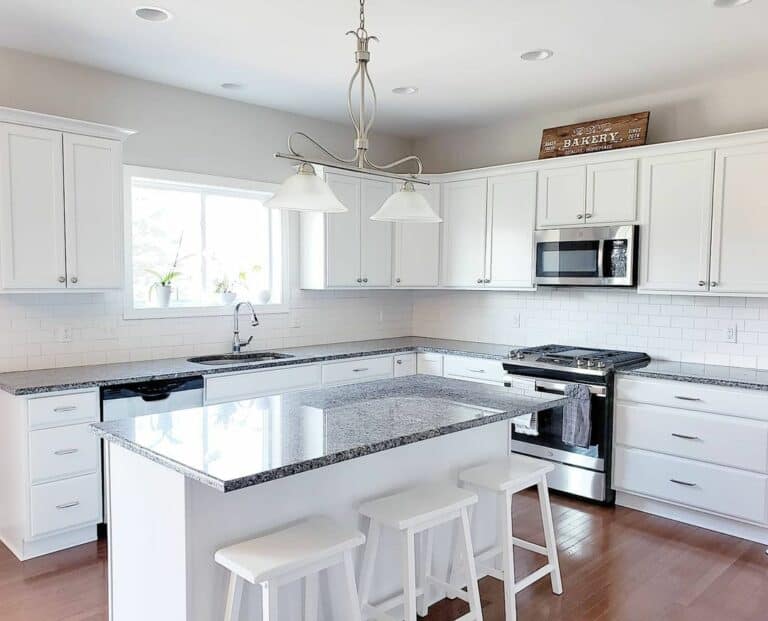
x=61 y=541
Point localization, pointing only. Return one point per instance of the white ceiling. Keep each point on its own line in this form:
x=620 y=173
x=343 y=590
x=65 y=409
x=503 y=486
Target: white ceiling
x=462 y=54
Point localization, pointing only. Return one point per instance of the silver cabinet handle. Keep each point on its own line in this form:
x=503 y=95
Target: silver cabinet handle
x=62 y=279
x=686 y=483
x=73 y=280
x=479 y=281
x=365 y=280
x=685 y=437
x=398 y=362
x=397 y=280
x=579 y=216
x=476 y=370
x=66 y=451
x=69 y=505
x=588 y=216
x=487 y=280
x=360 y=370
x=359 y=280
x=713 y=284
x=65 y=408
x=702 y=283
x=682 y=398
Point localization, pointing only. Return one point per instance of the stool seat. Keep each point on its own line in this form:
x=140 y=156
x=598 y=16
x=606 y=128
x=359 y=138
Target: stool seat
x=417 y=505
x=512 y=473
x=287 y=550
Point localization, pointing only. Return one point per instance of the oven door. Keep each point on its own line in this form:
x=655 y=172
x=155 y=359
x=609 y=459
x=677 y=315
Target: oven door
x=549 y=444
x=596 y=256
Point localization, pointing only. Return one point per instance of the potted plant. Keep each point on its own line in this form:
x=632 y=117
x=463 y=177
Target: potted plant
x=223 y=287
x=164 y=280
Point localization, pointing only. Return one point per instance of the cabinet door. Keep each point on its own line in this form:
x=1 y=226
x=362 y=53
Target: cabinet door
x=511 y=215
x=417 y=247
x=676 y=220
x=463 y=249
x=611 y=192
x=31 y=208
x=343 y=233
x=376 y=237
x=740 y=221
x=93 y=212
x=562 y=196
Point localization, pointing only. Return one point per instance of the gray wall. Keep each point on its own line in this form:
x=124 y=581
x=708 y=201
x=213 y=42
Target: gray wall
x=732 y=105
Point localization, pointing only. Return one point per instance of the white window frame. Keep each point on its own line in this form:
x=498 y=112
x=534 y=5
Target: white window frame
x=214 y=182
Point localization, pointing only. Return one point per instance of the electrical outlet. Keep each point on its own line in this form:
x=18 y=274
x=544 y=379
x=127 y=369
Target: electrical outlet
x=514 y=320
x=381 y=316
x=64 y=335
x=294 y=323
x=732 y=333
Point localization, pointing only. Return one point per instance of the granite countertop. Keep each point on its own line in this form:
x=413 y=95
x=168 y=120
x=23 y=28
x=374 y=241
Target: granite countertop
x=67 y=378
x=715 y=375
x=236 y=445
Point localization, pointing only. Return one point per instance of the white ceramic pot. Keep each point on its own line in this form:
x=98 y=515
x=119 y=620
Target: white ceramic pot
x=227 y=298
x=163 y=295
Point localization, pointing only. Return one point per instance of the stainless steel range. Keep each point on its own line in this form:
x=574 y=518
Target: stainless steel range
x=580 y=470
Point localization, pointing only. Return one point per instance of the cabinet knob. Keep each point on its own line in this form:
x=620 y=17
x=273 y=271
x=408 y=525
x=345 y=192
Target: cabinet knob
x=579 y=216
x=365 y=280
x=487 y=280
x=479 y=281
x=62 y=279
x=359 y=280
x=713 y=284
x=702 y=283
x=397 y=280
x=73 y=280
x=588 y=216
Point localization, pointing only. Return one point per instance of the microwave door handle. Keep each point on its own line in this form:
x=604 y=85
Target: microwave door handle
x=600 y=256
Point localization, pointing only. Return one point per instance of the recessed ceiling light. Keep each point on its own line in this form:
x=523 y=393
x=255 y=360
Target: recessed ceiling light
x=540 y=54
x=729 y=4
x=153 y=14
x=405 y=90
x=231 y=86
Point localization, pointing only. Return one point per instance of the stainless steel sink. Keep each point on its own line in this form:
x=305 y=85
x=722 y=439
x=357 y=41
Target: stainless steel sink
x=256 y=356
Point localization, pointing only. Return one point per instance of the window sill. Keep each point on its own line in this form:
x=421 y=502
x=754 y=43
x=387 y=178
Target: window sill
x=198 y=311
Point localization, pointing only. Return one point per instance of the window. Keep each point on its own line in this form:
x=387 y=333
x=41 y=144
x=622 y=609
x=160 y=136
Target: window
x=196 y=244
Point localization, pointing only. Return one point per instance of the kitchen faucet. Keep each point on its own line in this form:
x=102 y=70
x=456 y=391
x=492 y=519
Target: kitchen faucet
x=237 y=344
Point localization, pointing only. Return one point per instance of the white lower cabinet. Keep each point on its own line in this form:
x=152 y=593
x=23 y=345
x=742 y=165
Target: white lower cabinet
x=405 y=364
x=65 y=504
x=693 y=451
x=257 y=383
x=429 y=363
x=357 y=370
x=475 y=369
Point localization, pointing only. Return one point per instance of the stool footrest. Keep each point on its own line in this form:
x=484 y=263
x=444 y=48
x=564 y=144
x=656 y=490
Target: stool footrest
x=450 y=589
x=533 y=577
x=394 y=601
x=376 y=613
x=527 y=545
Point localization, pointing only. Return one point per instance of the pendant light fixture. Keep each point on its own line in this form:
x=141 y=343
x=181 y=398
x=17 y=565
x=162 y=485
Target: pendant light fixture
x=305 y=191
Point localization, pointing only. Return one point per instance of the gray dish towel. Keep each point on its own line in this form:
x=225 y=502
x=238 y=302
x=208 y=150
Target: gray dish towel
x=577 y=421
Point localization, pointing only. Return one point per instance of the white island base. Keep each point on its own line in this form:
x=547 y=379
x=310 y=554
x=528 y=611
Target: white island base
x=165 y=528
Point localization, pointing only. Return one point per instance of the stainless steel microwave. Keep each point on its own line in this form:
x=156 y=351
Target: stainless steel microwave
x=588 y=256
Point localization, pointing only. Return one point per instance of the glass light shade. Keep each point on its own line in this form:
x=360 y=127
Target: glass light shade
x=305 y=191
x=407 y=205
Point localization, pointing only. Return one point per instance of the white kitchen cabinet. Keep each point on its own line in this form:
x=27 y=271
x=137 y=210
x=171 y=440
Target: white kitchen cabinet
x=562 y=196
x=429 y=363
x=676 y=217
x=481 y=370
x=343 y=250
x=511 y=216
x=357 y=370
x=405 y=364
x=740 y=221
x=260 y=382
x=417 y=247
x=464 y=230
x=60 y=203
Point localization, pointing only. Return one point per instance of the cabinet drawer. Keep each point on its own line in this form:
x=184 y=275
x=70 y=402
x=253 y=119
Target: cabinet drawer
x=708 y=437
x=62 y=452
x=405 y=364
x=691 y=396
x=222 y=388
x=429 y=364
x=359 y=370
x=65 y=504
x=704 y=486
x=59 y=410
x=479 y=369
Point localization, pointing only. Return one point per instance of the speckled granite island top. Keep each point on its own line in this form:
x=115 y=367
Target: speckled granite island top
x=714 y=375
x=236 y=445
x=68 y=378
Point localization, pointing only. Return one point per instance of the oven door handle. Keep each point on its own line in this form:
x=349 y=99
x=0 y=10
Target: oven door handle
x=598 y=391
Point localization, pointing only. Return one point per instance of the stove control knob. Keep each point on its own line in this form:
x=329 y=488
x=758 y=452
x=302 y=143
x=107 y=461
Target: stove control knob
x=579 y=362
x=600 y=364
x=520 y=355
x=590 y=362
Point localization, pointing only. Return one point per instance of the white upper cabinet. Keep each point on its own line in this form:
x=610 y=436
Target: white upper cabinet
x=676 y=215
x=92 y=196
x=32 y=254
x=611 y=192
x=562 y=196
x=343 y=233
x=464 y=229
x=375 y=237
x=511 y=215
x=740 y=221
x=417 y=247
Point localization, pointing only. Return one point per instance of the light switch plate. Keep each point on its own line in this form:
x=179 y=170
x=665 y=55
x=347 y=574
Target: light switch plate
x=732 y=333
x=514 y=320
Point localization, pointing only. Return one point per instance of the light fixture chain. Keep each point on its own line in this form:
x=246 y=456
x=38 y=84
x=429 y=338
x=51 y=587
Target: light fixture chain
x=362 y=15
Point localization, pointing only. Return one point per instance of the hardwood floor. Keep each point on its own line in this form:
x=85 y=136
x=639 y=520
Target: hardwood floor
x=617 y=565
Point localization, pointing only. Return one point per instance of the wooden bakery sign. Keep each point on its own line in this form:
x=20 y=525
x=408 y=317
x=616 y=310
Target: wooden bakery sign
x=630 y=130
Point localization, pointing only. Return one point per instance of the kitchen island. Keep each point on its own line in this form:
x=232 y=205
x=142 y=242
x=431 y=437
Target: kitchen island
x=183 y=484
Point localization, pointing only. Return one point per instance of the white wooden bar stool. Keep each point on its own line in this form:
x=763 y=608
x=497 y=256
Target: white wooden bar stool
x=300 y=551
x=414 y=511
x=506 y=477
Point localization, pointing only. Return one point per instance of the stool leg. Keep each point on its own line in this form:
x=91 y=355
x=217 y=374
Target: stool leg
x=310 y=597
x=458 y=560
x=369 y=560
x=269 y=602
x=549 y=536
x=472 y=587
x=353 y=607
x=409 y=574
x=426 y=570
x=234 y=597
x=507 y=554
